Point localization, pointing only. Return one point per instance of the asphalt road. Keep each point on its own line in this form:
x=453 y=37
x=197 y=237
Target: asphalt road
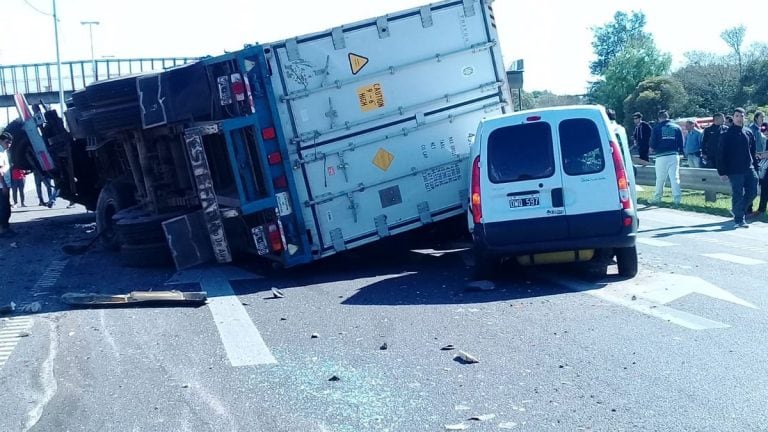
x=679 y=348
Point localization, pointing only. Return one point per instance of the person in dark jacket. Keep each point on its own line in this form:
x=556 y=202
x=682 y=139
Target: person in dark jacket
x=667 y=143
x=736 y=162
x=642 y=136
x=711 y=140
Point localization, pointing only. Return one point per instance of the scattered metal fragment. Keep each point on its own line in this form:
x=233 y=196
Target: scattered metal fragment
x=384 y=347
x=482 y=418
x=448 y=347
x=466 y=358
x=135 y=297
x=9 y=308
x=276 y=293
x=334 y=378
x=315 y=335
x=481 y=285
x=455 y=427
x=507 y=425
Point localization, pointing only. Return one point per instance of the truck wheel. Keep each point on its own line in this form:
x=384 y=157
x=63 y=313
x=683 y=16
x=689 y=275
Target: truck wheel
x=626 y=258
x=485 y=265
x=112 y=198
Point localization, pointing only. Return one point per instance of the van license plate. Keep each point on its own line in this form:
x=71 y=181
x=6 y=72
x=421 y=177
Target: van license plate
x=524 y=201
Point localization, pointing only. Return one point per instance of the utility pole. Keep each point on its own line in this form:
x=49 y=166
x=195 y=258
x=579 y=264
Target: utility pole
x=58 y=57
x=90 y=25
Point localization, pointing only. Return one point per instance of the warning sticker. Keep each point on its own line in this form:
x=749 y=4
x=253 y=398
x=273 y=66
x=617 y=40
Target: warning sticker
x=383 y=159
x=357 y=62
x=371 y=97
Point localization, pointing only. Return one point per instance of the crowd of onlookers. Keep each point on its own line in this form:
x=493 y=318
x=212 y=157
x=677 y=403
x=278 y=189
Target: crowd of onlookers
x=735 y=149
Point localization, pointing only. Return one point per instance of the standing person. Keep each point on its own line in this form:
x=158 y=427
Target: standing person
x=711 y=140
x=757 y=122
x=5 y=185
x=693 y=140
x=40 y=177
x=17 y=186
x=736 y=163
x=642 y=136
x=666 y=140
x=762 y=175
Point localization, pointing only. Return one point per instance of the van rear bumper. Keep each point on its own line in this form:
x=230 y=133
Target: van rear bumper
x=496 y=230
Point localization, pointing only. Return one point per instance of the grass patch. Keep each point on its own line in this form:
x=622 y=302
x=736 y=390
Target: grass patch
x=693 y=201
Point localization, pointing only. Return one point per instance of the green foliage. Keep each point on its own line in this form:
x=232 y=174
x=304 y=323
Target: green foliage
x=638 y=61
x=612 y=38
x=711 y=86
x=657 y=93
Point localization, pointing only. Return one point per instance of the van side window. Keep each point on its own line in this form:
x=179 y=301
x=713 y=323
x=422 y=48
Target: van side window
x=581 y=147
x=520 y=152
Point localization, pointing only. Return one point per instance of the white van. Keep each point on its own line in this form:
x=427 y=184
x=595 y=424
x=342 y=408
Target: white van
x=550 y=186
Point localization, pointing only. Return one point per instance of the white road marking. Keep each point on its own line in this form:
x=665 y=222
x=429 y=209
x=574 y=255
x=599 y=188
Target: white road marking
x=240 y=337
x=734 y=259
x=654 y=242
x=649 y=293
x=47 y=380
x=10 y=335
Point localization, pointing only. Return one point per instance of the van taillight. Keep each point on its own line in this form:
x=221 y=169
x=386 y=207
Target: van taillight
x=621 y=177
x=477 y=209
x=275 y=239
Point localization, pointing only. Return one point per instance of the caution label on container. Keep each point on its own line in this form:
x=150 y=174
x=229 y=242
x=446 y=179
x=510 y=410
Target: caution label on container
x=371 y=97
x=357 y=62
x=383 y=159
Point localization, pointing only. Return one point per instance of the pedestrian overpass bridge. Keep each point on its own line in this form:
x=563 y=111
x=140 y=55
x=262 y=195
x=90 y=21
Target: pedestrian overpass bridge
x=40 y=81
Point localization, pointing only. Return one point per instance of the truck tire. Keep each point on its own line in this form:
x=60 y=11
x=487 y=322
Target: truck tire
x=140 y=231
x=112 y=198
x=626 y=258
x=146 y=255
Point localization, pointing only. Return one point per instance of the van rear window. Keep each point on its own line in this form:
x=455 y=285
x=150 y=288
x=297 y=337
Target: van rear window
x=520 y=152
x=581 y=147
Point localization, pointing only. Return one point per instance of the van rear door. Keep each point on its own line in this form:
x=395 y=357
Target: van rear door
x=521 y=185
x=590 y=189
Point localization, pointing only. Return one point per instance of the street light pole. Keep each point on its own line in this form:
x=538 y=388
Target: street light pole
x=58 y=57
x=90 y=25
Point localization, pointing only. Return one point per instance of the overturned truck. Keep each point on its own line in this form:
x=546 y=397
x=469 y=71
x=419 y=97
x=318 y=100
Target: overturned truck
x=292 y=150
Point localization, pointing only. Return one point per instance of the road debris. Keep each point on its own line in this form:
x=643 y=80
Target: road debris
x=455 y=427
x=448 y=347
x=15 y=245
x=481 y=285
x=462 y=408
x=315 y=336
x=7 y=309
x=34 y=307
x=384 y=347
x=482 y=418
x=507 y=425
x=634 y=297
x=465 y=358
x=276 y=293
x=136 y=297
x=334 y=378
x=79 y=248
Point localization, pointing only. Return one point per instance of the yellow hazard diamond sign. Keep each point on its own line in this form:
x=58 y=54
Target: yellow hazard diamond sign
x=383 y=159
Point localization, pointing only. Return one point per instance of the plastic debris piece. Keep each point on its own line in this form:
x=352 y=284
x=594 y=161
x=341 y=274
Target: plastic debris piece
x=507 y=425
x=315 y=335
x=448 y=347
x=481 y=285
x=276 y=293
x=455 y=427
x=334 y=378
x=384 y=347
x=484 y=417
x=466 y=358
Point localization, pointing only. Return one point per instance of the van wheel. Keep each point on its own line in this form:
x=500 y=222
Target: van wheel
x=597 y=267
x=626 y=258
x=485 y=265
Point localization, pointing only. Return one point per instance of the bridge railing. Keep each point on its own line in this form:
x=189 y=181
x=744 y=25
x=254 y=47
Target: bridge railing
x=43 y=77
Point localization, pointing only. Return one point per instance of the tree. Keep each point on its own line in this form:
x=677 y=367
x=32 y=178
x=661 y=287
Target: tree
x=712 y=86
x=734 y=38
x=655 y=94
x=543 y=99
x=612 y=38
x=638 y=61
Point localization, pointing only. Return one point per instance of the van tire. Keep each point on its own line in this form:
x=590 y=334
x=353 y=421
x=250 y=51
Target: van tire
x=485 y=265
x=626 y=258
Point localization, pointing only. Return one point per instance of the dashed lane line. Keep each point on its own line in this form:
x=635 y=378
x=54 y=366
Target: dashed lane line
x=734 y=259
x=654 y=242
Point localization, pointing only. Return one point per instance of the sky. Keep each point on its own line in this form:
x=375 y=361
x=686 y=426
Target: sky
x=552 y=36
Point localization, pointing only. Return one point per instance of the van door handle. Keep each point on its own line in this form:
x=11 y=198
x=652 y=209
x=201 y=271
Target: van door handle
x=557 y=197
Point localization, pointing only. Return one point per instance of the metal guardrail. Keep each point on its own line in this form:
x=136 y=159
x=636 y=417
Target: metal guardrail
x=701 y=179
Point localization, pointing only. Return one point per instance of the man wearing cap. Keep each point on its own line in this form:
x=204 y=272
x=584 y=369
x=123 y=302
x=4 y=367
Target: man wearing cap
x=642 y=136
x=5 y=185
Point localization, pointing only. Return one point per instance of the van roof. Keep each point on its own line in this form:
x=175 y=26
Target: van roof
x=574 y=109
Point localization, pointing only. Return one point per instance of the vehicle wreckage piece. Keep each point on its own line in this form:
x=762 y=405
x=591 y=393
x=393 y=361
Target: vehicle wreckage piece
x=136 y=297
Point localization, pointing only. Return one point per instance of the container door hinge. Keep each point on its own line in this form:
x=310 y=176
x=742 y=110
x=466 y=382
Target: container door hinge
x=292 y=49
x=469 y=8
x=337 y=35
x=424 y=215
x=337 y=239
x=383 y=26
x=381 y=226
x=426 y=16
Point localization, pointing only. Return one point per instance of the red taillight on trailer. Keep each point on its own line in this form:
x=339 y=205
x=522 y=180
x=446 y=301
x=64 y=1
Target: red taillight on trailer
x=477 y=209
x=621 y=177
x=280 y=182
x=268 y=133
x=275 y=239
x=274 y=158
